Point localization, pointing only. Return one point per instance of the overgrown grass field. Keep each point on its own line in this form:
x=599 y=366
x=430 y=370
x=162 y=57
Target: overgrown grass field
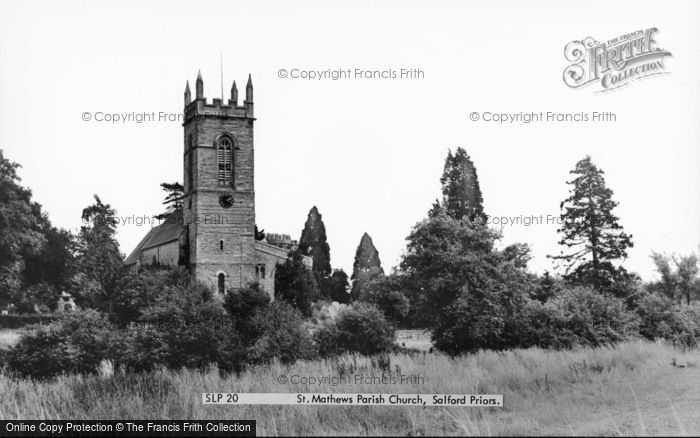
x=630 y=389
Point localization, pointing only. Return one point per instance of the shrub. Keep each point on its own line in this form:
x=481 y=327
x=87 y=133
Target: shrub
x=296 y=284
x=578 y=316
x=472 y=322
x=687 y=326
x=43 y=354
x=595 y=319
x=544 y=326
x=242 y=304
x=661 y=318
x=91 y=332
x=386 y=293
x=140 y=348
x=501 y=318
x=359 y=328
x=172 y=321
x=546 y=287
x=282 y=335
x=138 y=290
x=188 y=329
x=76 y=343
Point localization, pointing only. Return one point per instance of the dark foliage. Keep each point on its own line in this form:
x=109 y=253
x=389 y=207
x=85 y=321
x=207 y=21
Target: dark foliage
x=98 y=262
x=36 y=299
x=242 y=305
x=461 y=194
x=313 y=243
x=137 y=291
x=76 y=343
x=361 y=328
x=366 y=266
x=579 y=316
x=280 y=335
x=32 y=251
x=175 y=194
x=186 y=327
x=338 y=287
x=296 y=284
x=386 y=293
x=54 y=264
x=442 y=257
x=259 y=234
x=547 y=287
x=661 y=318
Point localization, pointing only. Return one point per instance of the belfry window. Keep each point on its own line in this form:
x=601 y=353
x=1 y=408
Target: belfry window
x=224 y=158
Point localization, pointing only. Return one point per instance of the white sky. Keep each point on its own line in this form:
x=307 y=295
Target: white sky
x=368 y=153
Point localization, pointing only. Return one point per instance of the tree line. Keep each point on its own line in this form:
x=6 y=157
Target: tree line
x=454 y=279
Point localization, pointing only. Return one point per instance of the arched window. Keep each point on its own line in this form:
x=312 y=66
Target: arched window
x=224 y=159
x=260 y=271
x=222 y=283
x=221 y=245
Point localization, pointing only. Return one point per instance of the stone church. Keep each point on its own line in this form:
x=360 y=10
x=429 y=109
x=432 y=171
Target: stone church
x=215 y=232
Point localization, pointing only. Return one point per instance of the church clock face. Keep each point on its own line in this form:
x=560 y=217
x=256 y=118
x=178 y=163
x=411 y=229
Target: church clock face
x=226 y=200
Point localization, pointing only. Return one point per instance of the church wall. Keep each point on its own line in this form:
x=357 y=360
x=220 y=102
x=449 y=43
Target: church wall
x=166 y=254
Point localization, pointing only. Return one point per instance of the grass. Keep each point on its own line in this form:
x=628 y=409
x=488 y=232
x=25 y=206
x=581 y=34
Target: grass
x=629 y=389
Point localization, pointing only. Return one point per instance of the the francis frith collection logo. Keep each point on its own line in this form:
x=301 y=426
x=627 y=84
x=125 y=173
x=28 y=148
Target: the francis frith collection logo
x=616 y=62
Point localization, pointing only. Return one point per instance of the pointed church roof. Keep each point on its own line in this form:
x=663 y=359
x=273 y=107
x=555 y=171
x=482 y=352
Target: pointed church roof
x=170 y=230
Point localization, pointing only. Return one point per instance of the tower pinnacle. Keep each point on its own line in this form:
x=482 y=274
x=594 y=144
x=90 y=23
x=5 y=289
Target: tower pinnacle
x=200 y=86
x=188 y=95
x=249 y=90
x=234 y=93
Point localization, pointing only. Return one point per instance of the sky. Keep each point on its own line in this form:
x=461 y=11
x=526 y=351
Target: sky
x=368 y=152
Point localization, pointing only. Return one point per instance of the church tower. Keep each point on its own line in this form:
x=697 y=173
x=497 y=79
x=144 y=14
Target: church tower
x=219 y=203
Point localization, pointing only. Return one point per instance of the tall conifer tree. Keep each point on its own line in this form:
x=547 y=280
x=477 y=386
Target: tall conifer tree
x=590 y=230
x=99 y=259
x=367 y=265
x=313 y=243
x=461 y=194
